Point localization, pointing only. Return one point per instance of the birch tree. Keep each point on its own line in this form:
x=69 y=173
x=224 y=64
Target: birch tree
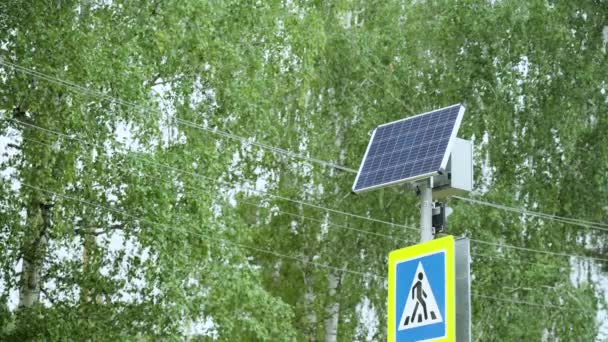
x=128 y=212
x=99 y=239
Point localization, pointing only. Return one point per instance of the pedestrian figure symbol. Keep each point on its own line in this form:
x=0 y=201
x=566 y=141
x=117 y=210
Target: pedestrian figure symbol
x=420 y=307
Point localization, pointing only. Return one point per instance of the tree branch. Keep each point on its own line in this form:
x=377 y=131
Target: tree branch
x=46 y=295
x=96 y=231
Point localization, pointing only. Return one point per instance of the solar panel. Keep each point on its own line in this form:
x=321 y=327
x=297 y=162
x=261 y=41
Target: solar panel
x=409 y=149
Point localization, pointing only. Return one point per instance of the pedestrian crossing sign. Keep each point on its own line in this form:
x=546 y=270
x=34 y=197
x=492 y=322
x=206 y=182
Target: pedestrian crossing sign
x=421 y=292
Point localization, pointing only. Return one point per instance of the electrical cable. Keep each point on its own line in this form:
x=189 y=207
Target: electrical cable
x=198 y=175
x=334 y=224
x=279 y=255
x=478 y=256
x=523 y=302
x=303 y=217
x=205 y=237
x=86 y=91
x=500 y=245
x=89 y=92
x=281 y=212
x=265 y=146
x=577 y=222
x=560 y=254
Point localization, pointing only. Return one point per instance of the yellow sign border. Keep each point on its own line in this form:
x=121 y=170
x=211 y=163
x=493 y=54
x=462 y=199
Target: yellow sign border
x=443 y=244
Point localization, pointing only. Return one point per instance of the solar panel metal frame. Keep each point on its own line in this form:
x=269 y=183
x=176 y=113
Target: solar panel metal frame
x=444 y=161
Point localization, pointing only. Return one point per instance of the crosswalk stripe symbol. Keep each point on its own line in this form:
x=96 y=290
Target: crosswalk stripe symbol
x=420 y=307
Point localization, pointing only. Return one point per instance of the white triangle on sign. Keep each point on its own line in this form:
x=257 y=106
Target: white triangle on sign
x=420 y=307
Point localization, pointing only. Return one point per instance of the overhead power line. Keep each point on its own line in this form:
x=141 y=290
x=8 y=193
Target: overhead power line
x=87 y=91
x=200 y=176
x=273 y=253
x=116 y=100
x=244 y=140
x=190 y=190
x=523 y=302
x=77 y=138
x=361 y=231
x=577 y=222
x=321 y=222
x=541 y=251
x=478 y=256
x=190 y=231
x=265 y=146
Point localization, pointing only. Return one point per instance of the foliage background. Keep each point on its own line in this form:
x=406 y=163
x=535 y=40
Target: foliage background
x=136 y=221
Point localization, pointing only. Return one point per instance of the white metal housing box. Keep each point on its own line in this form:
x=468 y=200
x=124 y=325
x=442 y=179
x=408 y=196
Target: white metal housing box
x=457 y=179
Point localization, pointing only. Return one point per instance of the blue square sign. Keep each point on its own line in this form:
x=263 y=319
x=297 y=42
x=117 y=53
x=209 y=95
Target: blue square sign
x=421 y=292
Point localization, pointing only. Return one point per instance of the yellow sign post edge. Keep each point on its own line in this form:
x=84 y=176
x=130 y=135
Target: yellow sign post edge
x=443 y=244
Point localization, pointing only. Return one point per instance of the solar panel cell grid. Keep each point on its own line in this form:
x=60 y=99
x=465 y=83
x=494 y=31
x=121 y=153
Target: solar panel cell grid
x=408 y=148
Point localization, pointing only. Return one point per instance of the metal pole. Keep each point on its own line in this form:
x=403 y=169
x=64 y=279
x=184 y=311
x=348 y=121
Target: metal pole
x=462 y=268
x=426 y=211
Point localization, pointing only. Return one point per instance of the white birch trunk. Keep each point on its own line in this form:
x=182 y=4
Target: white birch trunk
x=33 y=257
x=311 y=316
x=334 y=279
x=332 y=308
x=29 y=291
